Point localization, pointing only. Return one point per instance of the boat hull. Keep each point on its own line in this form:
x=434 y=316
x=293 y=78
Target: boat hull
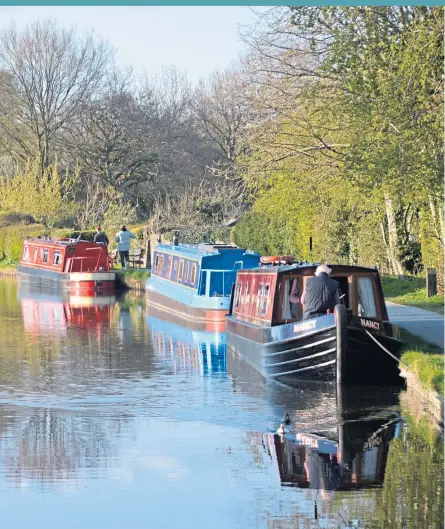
x=314 y=350
x=75 y=282
x=190 y=308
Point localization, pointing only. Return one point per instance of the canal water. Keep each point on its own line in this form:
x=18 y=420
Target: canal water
x=115 y=417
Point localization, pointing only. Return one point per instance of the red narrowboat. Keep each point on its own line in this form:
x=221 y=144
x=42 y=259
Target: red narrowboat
x=67 y=264
x=355 y=343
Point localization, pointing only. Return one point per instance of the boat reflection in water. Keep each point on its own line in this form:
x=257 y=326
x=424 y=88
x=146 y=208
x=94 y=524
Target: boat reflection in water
x=336 y=440
x=46 y=312
x=351 y=461
x=199 y=348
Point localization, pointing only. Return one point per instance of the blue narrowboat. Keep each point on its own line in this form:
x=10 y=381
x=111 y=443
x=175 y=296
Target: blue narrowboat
x=195 y=282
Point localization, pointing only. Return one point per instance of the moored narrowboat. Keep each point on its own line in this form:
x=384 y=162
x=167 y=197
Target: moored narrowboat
x=67 y=264
x=354 y=344
x=194 y=282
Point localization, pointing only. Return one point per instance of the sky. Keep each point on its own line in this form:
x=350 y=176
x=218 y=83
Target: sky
x=198 y=40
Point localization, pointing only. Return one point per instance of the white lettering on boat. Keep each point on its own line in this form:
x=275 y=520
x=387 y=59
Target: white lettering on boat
x=370 y=324
x=305 y=326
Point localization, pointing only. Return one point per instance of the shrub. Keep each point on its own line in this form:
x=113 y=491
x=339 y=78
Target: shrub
x=11 y=218
x=12 y=237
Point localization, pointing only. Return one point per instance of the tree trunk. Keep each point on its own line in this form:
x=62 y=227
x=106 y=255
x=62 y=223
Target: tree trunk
x=393 y=239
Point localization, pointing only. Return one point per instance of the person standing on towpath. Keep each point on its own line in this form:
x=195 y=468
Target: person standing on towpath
x=101 y=236
x=123 y=239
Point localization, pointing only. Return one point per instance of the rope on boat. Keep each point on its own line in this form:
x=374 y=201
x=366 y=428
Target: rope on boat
x=386 y=350
x=400 y=362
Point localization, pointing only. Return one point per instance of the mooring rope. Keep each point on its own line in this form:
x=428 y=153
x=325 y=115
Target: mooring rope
x=400 y=362
x=386 y=350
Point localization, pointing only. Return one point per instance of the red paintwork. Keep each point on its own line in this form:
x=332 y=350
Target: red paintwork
x=80 y=256
x=76 y=257
x=249 y=306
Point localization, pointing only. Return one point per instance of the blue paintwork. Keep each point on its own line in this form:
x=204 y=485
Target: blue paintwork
x=169 y=337
x=214 y=272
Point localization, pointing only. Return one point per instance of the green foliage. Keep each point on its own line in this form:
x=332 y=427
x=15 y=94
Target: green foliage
x=425 y=360
x=411 y=291
x=12 y=237
x=46 y=197
x=369 y=126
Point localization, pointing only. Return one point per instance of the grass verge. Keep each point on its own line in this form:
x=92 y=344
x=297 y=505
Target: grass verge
x=425 y=360
x=7 y=265
x=135 y=274
x=411 y=291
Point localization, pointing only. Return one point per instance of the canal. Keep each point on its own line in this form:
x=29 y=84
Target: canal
x=113 y=417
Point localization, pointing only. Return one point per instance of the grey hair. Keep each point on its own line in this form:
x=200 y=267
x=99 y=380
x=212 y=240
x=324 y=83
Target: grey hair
x=323 y=268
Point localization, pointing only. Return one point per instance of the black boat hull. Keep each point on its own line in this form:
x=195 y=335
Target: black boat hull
x=326 y=349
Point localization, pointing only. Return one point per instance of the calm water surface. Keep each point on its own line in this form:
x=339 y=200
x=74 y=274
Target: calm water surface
x=112 y=417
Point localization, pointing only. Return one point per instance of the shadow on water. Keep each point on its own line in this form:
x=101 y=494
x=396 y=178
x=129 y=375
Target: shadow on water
x=99 y=398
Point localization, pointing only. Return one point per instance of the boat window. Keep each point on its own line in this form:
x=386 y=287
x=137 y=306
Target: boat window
x=286 y=306
x=45 y=255
x=36 y=253
x=203 y=284
x=246 y=294
x=216 y=284
x=265 y=299
x=193 y=274
x=159 y=264
x=366 y=301
x=26 y=253
x=181 y=269
x=169 y=266
x=259 y=296
x=156 y=263
x=186 y=272
x=56 y=259
x=238 y=294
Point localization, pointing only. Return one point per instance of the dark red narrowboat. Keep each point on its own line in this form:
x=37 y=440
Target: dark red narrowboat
x=67 y=264
x=347 y=346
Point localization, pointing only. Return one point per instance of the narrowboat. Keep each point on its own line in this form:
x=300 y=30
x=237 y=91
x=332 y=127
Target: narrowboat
x=191 y=350
x=356 y=344
x=67 y=264
x=194 y=282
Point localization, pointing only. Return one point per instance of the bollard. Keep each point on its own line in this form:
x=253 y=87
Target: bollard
x=431 y=282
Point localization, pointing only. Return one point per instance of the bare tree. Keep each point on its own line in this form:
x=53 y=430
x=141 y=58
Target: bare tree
x=222 y=109
x=52 y=74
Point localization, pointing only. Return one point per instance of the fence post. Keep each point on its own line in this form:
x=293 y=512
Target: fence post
x=431 y=282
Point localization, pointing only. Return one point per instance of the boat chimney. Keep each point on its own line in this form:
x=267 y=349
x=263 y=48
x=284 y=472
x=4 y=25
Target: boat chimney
x=176 y=238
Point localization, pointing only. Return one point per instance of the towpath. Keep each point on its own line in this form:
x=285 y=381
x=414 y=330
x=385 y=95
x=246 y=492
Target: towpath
x=427 y=325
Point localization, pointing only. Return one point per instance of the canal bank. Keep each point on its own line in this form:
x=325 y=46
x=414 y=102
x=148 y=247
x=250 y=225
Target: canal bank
x=132 y=279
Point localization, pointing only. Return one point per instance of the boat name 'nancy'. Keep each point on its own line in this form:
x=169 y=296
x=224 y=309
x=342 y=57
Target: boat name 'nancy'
x=370 y=324
x=304 y=326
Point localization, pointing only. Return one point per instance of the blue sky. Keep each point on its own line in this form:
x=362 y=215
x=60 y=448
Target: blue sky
x=198 y=40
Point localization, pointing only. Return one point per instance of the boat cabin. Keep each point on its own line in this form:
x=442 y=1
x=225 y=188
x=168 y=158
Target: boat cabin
x=65 y=255
x=208 y=269
x=263 y=296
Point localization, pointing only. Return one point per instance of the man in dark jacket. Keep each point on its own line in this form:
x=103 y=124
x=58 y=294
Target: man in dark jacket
x=101 y=236
x=321 y=293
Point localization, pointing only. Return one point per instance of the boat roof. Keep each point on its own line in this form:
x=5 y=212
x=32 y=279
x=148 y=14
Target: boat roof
x=303 y=265
x=200 y=249
x=65 y=242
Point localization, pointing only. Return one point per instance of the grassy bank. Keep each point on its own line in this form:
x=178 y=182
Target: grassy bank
x=133 y=278
x=412 y=292
x=425 y=360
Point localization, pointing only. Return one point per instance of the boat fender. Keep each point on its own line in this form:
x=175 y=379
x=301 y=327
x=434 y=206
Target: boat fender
x=269 y=259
